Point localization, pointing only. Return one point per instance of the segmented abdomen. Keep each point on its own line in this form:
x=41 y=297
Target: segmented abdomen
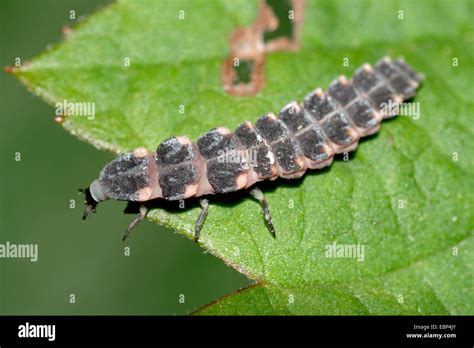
x=304 y=135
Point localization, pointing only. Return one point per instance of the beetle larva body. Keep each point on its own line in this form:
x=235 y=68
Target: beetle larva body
x=304 y=136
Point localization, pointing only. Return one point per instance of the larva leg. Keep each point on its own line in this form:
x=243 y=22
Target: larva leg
x=136 y=221
x=258 y=195
x=89 y=202
x=202 y=217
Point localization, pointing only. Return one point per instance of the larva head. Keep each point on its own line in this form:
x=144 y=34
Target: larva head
x=126 y=178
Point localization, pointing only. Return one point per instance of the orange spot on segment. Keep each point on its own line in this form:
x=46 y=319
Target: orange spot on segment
x=183 y=140
x=144 y=194
x=224 y=131
x=140 y=152
x=190 y=190
x=241 y=181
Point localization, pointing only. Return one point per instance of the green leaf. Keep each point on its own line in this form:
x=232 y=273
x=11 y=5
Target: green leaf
x=418 y=259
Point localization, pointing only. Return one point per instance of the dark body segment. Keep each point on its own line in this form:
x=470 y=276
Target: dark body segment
x=400 y=76
x=385 y=68
x=286 y=151
x=339 y=130
x=288 y=156
x=225 y=175
x=178 y=181
x=396 y=78
x=317 y=104
x=357 y=109
x=308 y=147
x=409 y=71
x=295 y=117
x=313 y=144
x=341 y=91
x=215 y=142
x=260 y=156
x=175 y=150
x=382 y=97
x=178 y=175
x=248 y=136
x=384 y=87
x=335 y=124
x=271 y=128
x=402 y=85
x=122 y=178
x=263 y=162
x=365 y=79
x=362 y=114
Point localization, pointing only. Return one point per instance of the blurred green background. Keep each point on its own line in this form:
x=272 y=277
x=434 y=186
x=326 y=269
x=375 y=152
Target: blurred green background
x=75 y=257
